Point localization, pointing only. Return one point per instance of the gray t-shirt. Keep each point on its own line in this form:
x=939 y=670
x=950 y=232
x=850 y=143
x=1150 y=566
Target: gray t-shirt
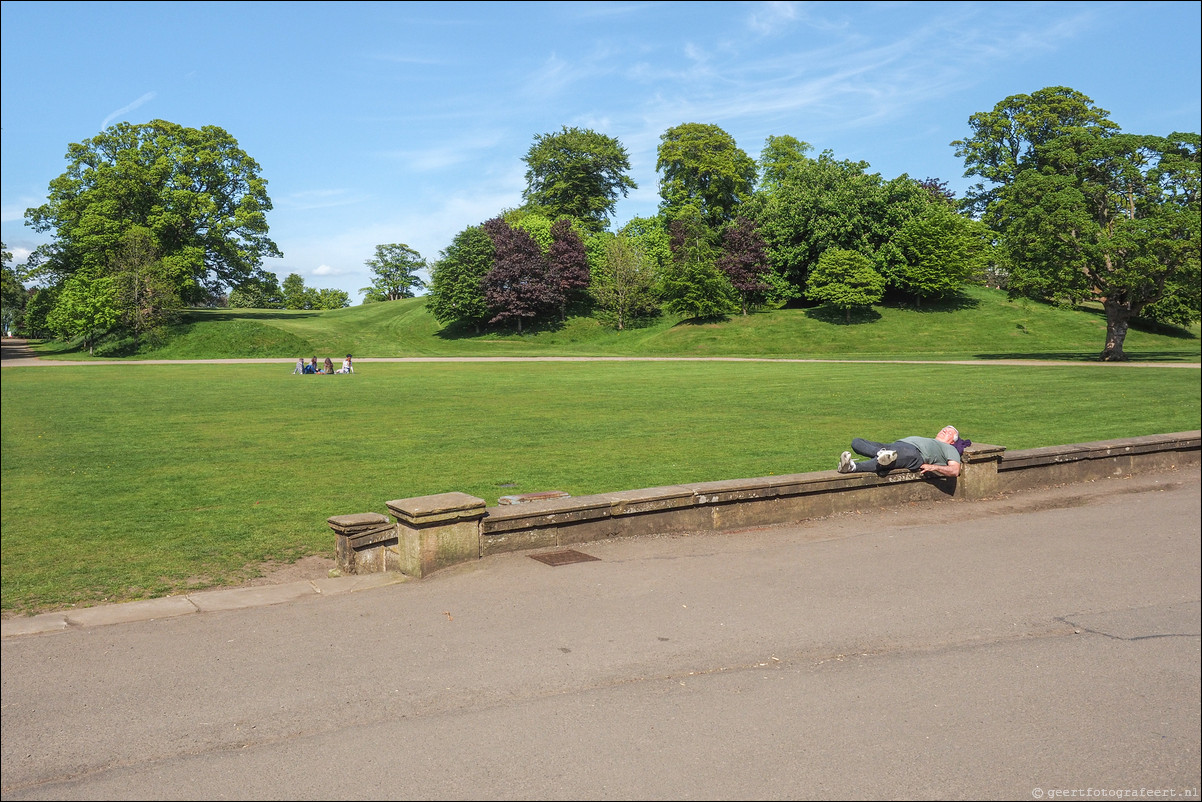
x=934 y=452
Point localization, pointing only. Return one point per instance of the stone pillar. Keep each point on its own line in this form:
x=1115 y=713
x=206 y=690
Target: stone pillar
x=364 y=542
x=978 y=472
x=436 y=531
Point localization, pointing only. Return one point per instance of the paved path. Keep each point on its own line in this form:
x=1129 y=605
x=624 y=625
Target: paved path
x=16 y=353
x=1006 y=649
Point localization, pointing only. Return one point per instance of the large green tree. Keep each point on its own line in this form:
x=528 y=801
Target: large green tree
x=195 y=190
x=85 y=307
x=1107 y=226
x=938 y=251
x=812 y=205
x=297 y=296
x=845 y=280
x=702 y=168
x=691 y=284
x=293 y=290
x=147 y=296
x=394 y=273
x=650 y=236
x=781 y=156
x=579 y=173
x=260 y=292
x=624 y=288
x=457 y=279
x=1007 y=140
x=1086 y=213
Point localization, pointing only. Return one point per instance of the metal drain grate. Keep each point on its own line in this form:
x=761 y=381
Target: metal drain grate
x=563 y=557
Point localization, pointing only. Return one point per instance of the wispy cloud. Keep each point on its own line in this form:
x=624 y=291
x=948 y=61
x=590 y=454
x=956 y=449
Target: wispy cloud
x=772 y=18
x=448 y=153
x=318 y=199
x=121 y=112
x=13 y=212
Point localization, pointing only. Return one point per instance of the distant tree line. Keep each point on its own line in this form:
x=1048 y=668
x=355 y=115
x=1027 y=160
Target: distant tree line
x=1068 y=210
x=266 y=292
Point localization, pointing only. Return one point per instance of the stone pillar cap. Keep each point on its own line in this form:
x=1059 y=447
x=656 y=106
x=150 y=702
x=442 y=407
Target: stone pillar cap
x=441 y=505
x=357 y=520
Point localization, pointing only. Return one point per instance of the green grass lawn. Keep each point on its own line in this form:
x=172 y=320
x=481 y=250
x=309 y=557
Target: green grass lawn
x=131 y=481
x=981 y=324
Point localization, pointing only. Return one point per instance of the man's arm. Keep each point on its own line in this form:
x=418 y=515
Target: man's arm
x=951 y=469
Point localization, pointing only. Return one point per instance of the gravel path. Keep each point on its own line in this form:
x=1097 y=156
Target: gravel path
x=16 y=353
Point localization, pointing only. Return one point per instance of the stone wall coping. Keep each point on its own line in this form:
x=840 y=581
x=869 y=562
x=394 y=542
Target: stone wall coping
x=1099 y=449
x=981 y=452
x=528 y=498
x=600 y=504
x=577 y=509
x=438 y=508
x=360 y=520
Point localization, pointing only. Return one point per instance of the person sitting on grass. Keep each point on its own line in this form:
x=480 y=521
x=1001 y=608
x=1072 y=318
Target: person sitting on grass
x=940 y=455
x=300 y=365
x=329 y=367
x=347 y=366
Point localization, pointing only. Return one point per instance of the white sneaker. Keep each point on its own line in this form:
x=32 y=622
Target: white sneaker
x=846 y=463
x=886 y=457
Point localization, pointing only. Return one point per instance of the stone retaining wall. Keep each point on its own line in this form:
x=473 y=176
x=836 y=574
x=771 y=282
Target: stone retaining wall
x=433 y=532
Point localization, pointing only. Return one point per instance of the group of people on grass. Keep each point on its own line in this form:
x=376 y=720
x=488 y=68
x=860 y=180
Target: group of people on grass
x=311 y=366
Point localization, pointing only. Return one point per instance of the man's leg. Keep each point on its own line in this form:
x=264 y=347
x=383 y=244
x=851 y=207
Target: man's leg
x=883 y=456
x=908 y=456
x=866 y=448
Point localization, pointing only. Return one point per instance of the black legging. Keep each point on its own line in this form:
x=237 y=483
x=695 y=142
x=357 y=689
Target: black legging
x=908 y=456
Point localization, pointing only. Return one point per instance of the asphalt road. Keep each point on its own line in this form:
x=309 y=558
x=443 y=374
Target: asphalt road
x=1025 y=647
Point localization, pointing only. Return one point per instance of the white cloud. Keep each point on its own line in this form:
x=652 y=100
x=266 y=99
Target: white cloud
x=15 y=212
x=318 y=199
x=448 y=153
x=126 y=109
x=770 y=18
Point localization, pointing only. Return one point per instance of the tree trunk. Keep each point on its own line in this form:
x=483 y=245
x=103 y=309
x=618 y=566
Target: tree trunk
x=1118 y=317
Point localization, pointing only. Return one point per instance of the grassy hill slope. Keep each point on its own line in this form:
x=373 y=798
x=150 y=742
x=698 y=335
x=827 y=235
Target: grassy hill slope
x=981 y=324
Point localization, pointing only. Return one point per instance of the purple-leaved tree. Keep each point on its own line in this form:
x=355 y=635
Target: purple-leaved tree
x=744 y=260
x=520 y=285
x=568 y=262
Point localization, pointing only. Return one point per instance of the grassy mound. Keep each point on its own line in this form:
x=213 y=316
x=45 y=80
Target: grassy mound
x=979 y=324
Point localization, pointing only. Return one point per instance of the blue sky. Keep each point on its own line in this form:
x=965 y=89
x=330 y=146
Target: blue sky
x=386 y=122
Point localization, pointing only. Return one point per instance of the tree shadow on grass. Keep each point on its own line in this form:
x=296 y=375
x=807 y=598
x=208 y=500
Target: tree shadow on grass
x=1147 y=326
x=702 y=321
x=838 y=317
x=248 y=314
x=1167 y=357
x=950 y=303
x=460 y=330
